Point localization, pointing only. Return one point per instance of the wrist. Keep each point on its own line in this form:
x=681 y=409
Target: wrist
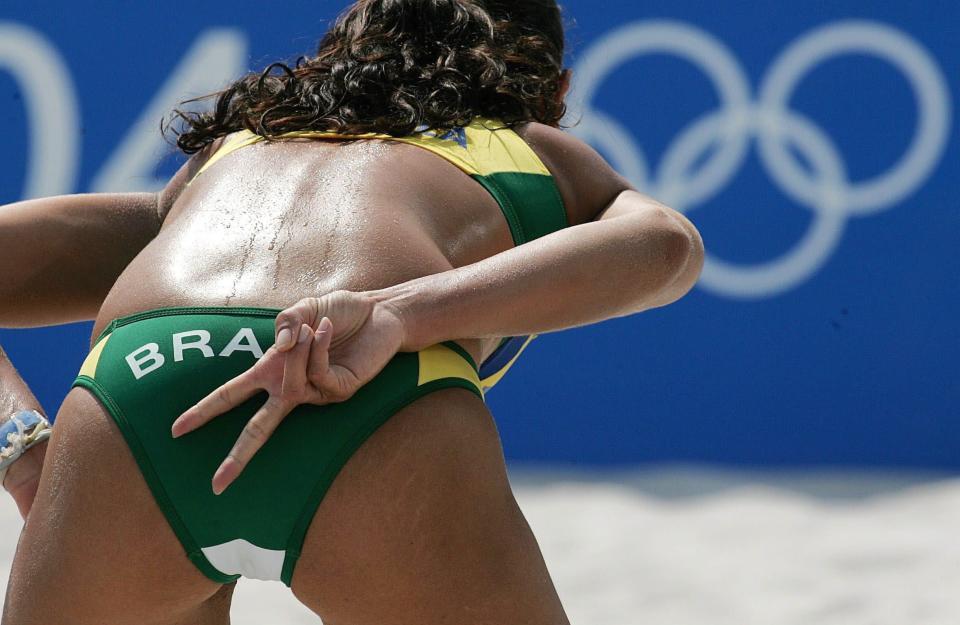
x=25 y=472
x=23 y=478
x=401 y=303
x=24 y=431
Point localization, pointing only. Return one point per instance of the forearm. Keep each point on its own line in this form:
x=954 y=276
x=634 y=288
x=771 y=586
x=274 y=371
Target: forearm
x=60 y=256
x=14 y=393
x=581 y=275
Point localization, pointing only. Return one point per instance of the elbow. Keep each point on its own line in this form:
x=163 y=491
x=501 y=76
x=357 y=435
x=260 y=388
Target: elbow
x=688 y=258
x=682 y=254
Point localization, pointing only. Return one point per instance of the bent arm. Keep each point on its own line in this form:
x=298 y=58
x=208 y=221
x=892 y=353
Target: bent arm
x=60 y=256
x=638 y=255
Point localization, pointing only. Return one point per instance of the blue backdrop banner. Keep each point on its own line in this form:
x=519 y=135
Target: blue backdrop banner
x=812 y=143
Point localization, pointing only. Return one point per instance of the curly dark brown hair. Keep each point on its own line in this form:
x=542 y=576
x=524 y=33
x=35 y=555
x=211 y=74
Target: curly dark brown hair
x=398 y=66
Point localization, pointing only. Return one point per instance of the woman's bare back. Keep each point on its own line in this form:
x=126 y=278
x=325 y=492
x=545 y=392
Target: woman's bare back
x=275 y=222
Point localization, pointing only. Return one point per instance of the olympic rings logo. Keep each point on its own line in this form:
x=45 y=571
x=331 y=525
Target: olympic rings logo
x=725 y=136
x=51 y=107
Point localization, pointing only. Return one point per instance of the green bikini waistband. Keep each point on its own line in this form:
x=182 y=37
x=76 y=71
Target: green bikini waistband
x=241 y=311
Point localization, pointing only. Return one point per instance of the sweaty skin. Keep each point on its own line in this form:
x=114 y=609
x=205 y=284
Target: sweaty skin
x=267 y=226
x=327 y=216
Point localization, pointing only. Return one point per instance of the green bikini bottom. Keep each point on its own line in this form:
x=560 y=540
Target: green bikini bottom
x=148 y=369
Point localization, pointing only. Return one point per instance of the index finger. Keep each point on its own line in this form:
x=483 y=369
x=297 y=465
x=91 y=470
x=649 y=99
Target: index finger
x=226 y=397
x=295 y=365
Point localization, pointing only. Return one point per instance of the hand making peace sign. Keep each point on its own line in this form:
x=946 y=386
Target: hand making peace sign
x=326 y=349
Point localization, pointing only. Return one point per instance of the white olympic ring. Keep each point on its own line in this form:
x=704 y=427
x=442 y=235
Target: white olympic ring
x=48 y=96
x=724 y=136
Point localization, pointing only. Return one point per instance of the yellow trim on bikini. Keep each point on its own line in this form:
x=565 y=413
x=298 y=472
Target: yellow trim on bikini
x=484 y=148
x=89 y=368
x=490 y=381
x=439 y=362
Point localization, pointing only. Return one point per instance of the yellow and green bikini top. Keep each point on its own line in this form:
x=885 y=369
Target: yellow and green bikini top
x=496 y=157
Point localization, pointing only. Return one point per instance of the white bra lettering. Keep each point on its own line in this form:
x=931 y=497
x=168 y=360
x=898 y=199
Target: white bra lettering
x=244 y=341
x=203 y=344
x=148 y=358
x=148 y=353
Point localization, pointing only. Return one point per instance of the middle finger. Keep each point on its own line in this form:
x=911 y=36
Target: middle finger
x=295 y=366
x=254 y=435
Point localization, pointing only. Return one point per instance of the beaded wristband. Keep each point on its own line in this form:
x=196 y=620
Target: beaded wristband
x=24 y=429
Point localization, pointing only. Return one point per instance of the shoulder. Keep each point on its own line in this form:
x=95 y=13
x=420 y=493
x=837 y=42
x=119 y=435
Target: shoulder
x=587 y=183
